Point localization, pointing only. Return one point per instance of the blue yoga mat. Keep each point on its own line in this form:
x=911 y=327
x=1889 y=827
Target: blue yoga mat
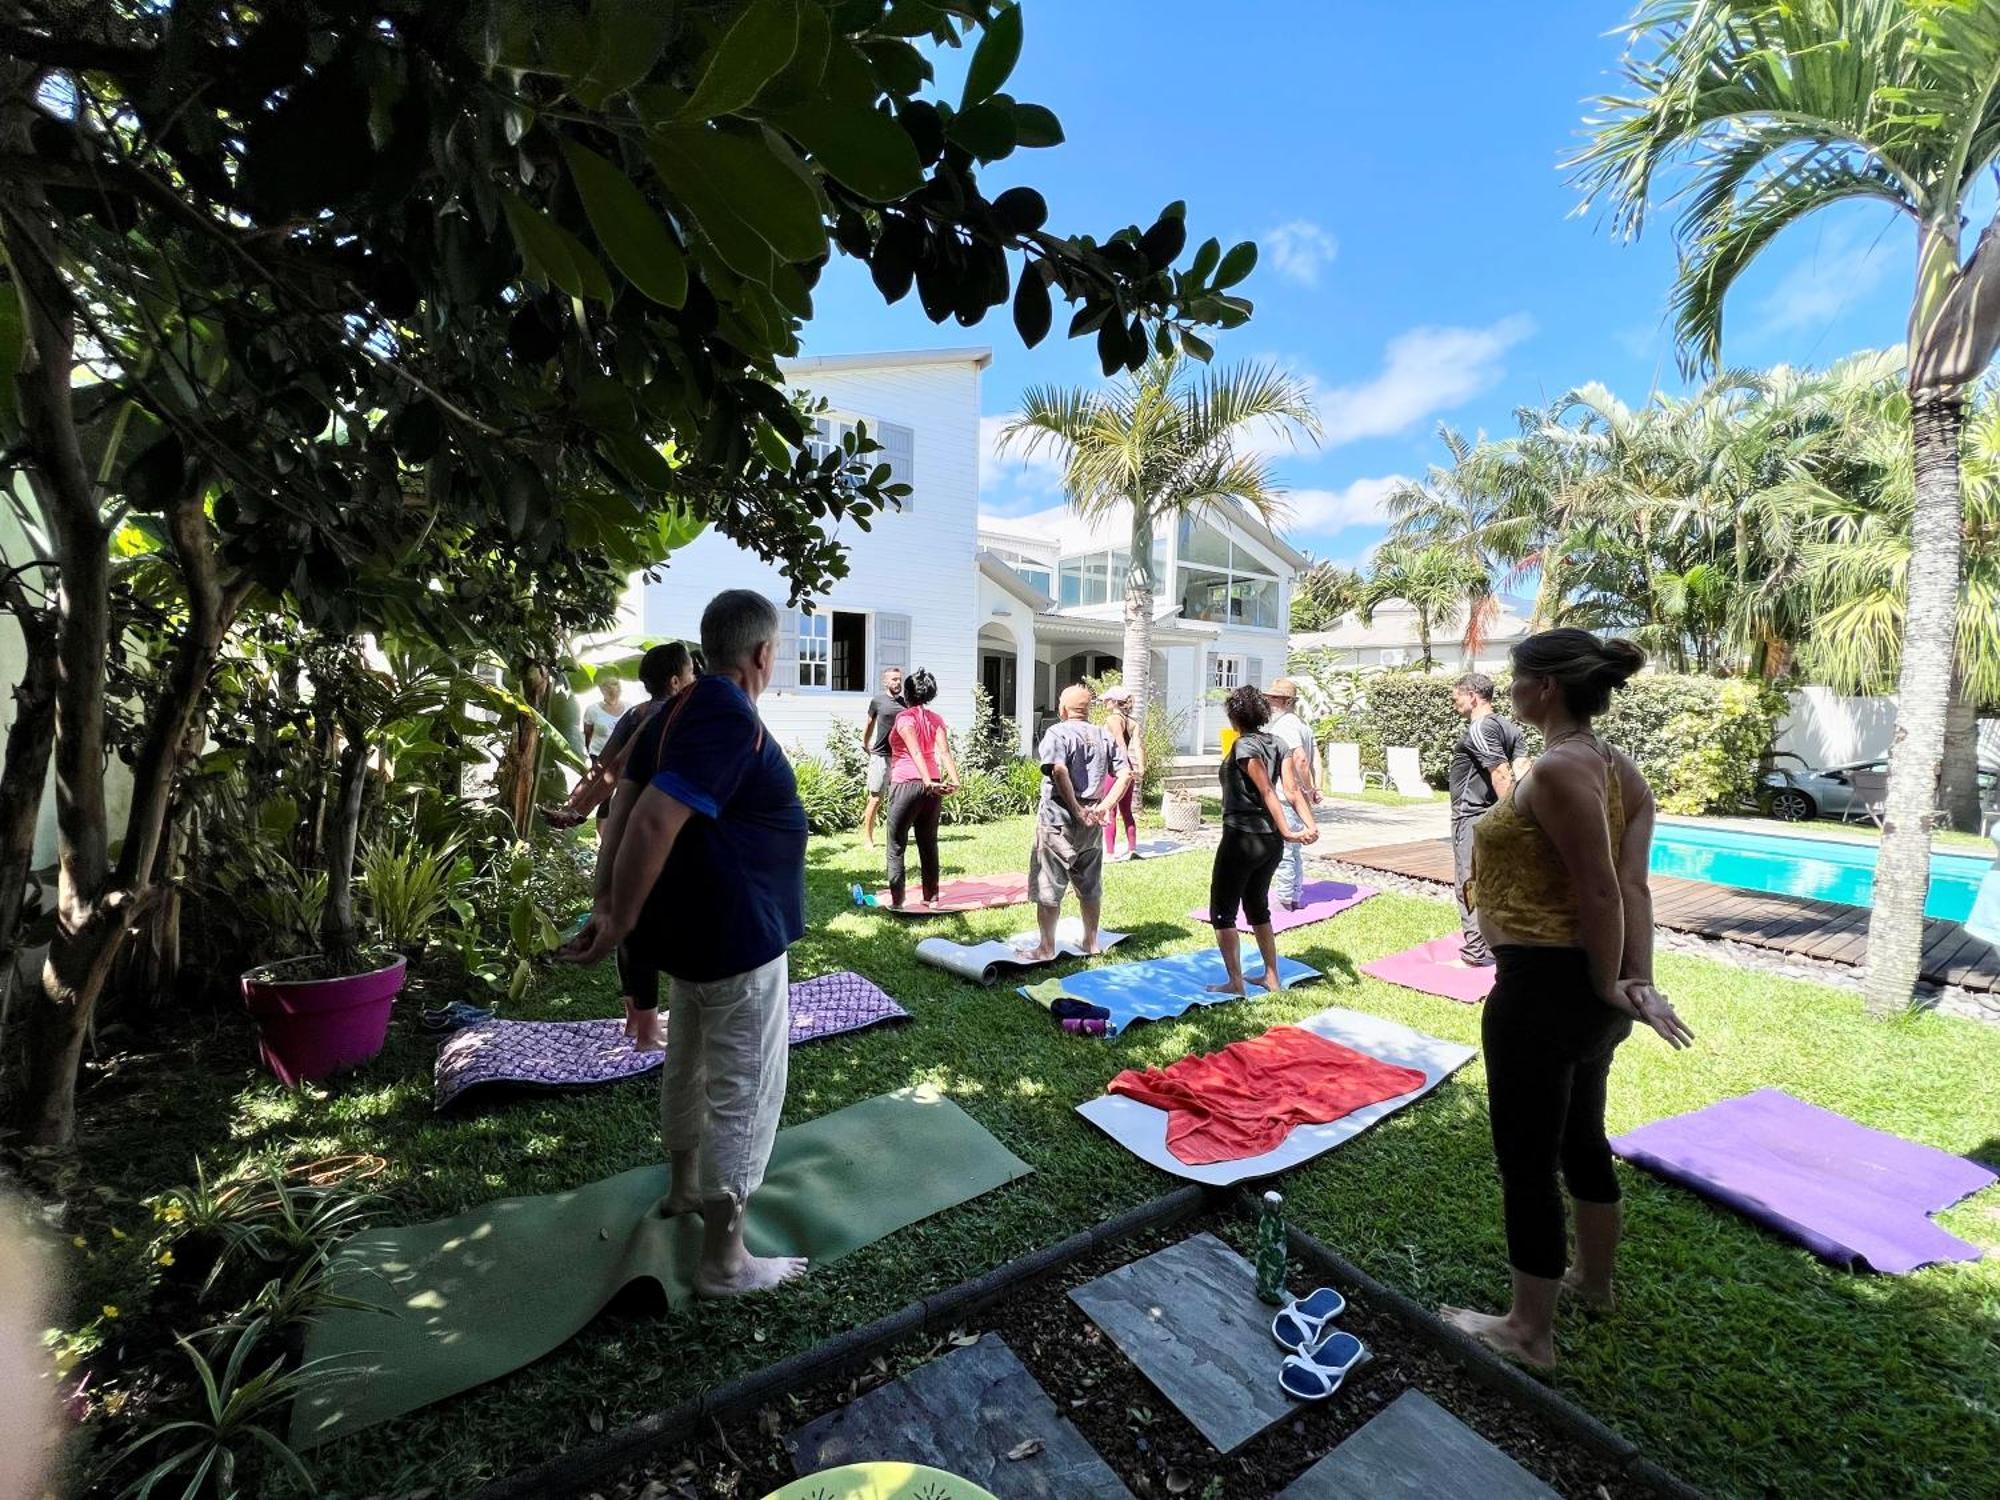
x=1158 y=989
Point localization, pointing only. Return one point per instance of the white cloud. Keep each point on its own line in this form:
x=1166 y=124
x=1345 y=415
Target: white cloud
x=1300 y=249
x=1424 y=371
x=1001 y=469
x=1842 y=271
x=1322 y=512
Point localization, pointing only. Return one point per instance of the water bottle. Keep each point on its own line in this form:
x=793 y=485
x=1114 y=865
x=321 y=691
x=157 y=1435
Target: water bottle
x=1271 y=1250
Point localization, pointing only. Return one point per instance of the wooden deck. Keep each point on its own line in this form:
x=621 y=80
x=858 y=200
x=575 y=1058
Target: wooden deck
x=1788 y=924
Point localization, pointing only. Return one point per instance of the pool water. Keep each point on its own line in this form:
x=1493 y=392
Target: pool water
x=1823 y=869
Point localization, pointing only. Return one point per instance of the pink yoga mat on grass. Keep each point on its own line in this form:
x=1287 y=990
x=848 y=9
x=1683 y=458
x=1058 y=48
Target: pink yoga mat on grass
x=974 y=893
x=1852 y=1195
x=1320 y=899
x=1433 y=969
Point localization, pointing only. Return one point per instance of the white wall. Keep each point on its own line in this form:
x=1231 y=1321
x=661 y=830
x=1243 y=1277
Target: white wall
x=1827 y=729
x=919 y=562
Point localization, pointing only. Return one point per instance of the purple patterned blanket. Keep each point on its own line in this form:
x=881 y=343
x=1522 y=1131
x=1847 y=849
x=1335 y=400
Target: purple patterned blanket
x=577 y=1054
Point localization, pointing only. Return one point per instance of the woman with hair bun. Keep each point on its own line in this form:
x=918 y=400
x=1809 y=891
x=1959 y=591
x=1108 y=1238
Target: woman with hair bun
x=1559 y=880
x=1254 y=835
x=922 y=771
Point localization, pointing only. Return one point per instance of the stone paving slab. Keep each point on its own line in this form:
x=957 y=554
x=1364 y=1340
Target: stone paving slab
x=1189 y=1318
x=964 y=1412
x=1416 y=1450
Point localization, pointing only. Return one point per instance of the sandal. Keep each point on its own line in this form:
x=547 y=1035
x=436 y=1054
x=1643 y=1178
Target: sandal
x=1301 y=1323
x=1317 y=1375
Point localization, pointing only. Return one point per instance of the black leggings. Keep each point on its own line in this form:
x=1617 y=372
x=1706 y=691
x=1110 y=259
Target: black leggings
x=1548 y=1042
x=638 y=979
x=913 y=810
x=1244 y=865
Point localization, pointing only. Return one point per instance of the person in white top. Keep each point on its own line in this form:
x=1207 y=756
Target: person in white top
x=1299 y=791
x=602 y=716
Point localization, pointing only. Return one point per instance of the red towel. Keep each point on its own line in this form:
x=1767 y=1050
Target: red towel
x=1245 y=1099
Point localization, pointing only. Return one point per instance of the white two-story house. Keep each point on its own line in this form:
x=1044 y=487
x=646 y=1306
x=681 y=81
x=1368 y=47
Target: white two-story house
x=1025 y=606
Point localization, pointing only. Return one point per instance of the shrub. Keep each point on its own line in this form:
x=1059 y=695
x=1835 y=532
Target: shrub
x=990 y=739
x=1024 y=785
x=832 y=801
x=1696 y=739
x=981 y=797
x=846 y=756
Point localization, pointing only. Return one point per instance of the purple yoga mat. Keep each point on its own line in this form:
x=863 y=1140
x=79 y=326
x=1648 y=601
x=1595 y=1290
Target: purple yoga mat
x=578 y=1054
x=1319 y=900
x=1853 y=1196
x=1434 y=969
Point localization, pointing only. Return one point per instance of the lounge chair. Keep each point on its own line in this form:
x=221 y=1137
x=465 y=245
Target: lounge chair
x=1343 y=769
x=1406 y=771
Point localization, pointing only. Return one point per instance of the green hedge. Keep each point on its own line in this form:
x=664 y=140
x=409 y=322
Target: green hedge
x=1696 y=739
x=834 y=787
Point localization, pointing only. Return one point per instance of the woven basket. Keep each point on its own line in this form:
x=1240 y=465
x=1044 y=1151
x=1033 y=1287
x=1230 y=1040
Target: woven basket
x=1181 y=811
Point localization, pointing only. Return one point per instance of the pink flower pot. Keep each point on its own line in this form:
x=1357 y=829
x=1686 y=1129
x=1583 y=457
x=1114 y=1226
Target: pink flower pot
x=308 y=1028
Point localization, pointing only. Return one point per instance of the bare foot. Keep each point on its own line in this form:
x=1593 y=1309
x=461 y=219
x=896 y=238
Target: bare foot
x=1501 y=1336
x=755 y=1273
x=1225 y=988
x=1270 y=981
x=1092 y=948
x=1035 y=955
x=1589 y=1293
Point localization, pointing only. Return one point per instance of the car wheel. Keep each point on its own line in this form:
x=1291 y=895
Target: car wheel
x=1791 y=806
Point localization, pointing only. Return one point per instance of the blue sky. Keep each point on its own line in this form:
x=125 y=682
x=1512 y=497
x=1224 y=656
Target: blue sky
x=1420 y=258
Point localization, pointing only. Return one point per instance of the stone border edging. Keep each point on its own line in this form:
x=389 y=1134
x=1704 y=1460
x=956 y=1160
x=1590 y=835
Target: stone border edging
x=571 y=1471
x=1488 y=1368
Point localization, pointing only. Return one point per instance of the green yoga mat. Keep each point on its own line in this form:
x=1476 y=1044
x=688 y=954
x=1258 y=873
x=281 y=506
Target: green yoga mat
x=488 y=1291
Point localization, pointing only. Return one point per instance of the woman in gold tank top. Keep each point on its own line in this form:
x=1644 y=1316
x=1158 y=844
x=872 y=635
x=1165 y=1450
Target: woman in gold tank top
x=1559 y=883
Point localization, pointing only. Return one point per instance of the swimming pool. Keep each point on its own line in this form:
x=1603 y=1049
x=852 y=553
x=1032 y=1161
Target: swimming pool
x=1824 y=869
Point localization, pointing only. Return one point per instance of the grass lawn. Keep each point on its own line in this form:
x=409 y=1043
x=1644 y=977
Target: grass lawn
x=1740 y=1361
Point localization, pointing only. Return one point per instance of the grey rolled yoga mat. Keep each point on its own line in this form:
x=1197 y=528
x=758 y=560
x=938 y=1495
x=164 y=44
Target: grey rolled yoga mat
x=470 y=1298
x=987 y=963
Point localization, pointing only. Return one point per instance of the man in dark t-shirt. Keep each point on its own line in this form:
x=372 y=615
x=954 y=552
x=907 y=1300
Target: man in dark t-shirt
x=877 y=736
x=1482 y=772
x=704 y=871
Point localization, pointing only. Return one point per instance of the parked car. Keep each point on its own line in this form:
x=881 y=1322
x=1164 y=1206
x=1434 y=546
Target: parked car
x=1794 y=792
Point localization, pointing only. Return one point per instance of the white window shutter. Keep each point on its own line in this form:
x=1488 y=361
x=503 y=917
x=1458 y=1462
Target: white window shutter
x=892 y=644
x=1254 y=672
x=785 y=670
x=899 y=452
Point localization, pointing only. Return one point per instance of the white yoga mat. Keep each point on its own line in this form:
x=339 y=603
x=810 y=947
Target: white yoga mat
x=1142 y=1129
x=987 y=963
x=1160 y=848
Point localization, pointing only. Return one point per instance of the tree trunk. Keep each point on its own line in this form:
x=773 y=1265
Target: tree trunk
x=339 y=935
x=30 y=740
x=1958 y=787
x=1140 y=586
x=524 y=754
x=1923 y=693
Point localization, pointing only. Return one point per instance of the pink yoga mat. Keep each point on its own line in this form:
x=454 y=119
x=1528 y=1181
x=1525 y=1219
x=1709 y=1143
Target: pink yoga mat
x=1320 y=899
x=1433 y=969
x=976 y=893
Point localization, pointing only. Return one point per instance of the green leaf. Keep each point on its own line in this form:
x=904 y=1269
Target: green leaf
x=1032 y=309
x=741 y=172
x=1197 y=347
x=1205 y=260
x=1238 y=263
x=640 y=459
x=750 y=54
x=851 y=139
x=994 y=58
x=554 y=256
x=901 y=67
x=986 y=130
x=639 y=244
x=626 y=39
x=798 y=81
x=777 y=453
x=1036 y=126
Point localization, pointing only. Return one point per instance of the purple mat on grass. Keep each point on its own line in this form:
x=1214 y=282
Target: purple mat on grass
x=578 y=1054
x=1434 y=969
x=1851 y=1195
x=1319 y=900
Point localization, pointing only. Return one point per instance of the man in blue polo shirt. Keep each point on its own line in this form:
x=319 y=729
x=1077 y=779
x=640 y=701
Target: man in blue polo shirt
x=704 y=872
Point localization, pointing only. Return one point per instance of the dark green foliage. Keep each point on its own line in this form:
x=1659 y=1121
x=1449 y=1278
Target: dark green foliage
x=990 y=741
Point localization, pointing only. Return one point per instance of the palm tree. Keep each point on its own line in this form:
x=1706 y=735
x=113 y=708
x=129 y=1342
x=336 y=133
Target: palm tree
x=1433 y=581
x=1854 y=497
x=1458 y=506
x=1157 y=445
x=1323 y=593
x=1784 y=107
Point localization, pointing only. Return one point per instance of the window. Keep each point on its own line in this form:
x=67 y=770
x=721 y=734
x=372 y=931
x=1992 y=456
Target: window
x=833 y=651
x=1220 y=581
x=1225 y=672
x=1035 y=575
x=897 y=449
x=1093 y=578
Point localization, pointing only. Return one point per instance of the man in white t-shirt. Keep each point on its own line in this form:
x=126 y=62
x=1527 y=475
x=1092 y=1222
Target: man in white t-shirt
x=1300 y=789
